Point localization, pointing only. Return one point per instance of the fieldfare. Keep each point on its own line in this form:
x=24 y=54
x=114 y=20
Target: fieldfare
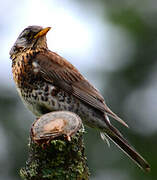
x=47 y=82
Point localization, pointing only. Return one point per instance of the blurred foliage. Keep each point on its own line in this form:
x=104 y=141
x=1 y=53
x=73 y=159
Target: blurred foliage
x=138 y=19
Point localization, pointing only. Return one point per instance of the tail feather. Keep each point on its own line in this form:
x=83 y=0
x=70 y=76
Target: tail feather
x=118 y=139
x=114 y=116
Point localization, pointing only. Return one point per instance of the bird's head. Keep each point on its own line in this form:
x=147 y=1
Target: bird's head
x=30 y=37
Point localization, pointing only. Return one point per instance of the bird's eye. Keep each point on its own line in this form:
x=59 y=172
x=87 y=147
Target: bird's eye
x=27 y=35
x=30 y=36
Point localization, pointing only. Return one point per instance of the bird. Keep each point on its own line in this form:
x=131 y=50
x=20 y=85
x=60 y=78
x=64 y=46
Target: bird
x=47 y=82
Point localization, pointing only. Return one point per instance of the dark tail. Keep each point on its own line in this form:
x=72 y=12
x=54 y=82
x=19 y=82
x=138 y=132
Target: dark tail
x=117 y=138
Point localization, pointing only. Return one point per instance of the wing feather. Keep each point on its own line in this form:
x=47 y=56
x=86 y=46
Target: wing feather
x=59 y=71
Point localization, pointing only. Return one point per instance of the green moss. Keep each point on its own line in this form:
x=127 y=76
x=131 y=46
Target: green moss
x=60 y=160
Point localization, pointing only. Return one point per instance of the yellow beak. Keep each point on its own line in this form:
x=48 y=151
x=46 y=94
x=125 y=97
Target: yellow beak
x=42 y=32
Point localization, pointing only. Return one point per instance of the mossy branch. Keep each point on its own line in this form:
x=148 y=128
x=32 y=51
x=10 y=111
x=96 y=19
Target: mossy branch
x=56 y=149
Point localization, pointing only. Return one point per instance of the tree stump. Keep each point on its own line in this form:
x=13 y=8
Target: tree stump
x=56 y=149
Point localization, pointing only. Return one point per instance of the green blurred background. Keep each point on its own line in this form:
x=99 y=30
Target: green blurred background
x=114 y=44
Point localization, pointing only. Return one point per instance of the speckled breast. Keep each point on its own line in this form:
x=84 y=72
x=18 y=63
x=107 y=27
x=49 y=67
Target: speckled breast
x=37 y=94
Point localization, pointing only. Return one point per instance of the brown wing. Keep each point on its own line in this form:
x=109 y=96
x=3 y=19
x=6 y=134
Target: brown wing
x=56 y=69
